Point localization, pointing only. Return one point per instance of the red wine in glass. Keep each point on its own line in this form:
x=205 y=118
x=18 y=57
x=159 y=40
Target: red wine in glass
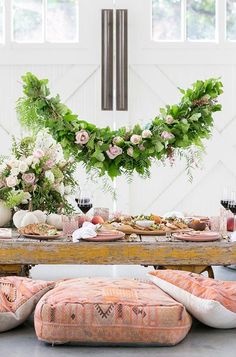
x=84 y=204
x=232 y=207
x=225 y=204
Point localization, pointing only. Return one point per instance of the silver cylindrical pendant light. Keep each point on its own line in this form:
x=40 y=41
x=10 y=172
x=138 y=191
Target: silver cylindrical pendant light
x=107 y=60
x=121 y=60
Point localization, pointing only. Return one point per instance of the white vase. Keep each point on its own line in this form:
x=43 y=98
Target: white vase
x=5 y=215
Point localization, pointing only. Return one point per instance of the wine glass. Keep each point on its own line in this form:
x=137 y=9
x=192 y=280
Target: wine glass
x=224 y=209
x=225 y=197
x=232 y=206
x=84 y=201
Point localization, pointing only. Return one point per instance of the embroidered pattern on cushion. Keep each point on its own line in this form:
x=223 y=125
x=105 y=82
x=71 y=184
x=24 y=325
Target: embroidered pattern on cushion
x=110 y=310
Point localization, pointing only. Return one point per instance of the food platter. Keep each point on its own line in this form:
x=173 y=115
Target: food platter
x=152 y=225
x=42 y=237
x=157 y=232
x=40 y=231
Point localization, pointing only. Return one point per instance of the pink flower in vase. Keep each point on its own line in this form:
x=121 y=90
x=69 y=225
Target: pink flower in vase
x=38 y=153
x=49 y=164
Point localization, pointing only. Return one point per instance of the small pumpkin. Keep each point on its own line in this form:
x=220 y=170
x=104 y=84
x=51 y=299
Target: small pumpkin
x=22 y=218
x=55 y=220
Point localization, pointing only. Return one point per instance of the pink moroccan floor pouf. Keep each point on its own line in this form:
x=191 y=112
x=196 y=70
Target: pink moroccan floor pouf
x=110 y=311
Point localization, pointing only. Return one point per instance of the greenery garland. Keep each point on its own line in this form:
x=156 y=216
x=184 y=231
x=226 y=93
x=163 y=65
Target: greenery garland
x=176 y=129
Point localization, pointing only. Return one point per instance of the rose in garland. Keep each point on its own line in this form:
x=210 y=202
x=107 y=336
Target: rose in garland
x=178 y=129
x=36 y=175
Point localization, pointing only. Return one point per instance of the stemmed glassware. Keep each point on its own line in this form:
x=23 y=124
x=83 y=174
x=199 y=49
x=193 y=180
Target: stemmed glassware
x=224 y=209
x=84 y=201
x=232 y=206
x=225 y=198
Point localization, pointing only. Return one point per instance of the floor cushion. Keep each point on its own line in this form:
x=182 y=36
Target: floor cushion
x=110 y=311
x=18 y=298
x=213 y=302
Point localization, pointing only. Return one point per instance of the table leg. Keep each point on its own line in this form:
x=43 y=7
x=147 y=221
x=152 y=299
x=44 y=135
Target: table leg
x=15 y=269
x=198 y=269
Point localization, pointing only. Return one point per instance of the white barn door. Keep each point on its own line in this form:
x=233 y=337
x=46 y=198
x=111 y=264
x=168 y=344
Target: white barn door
x=156 y=70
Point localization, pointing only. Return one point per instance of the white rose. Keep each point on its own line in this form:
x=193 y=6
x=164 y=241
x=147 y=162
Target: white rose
x=13 y=163
x=29 y=160
x=49 y=175
x=146 y=134
x=68 y=190
x=15 y=171
x=23 y=167
x=11 y=181
x=44 y=141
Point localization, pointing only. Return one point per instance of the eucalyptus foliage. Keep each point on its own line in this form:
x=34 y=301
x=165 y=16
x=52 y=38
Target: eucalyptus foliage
x=177 y=128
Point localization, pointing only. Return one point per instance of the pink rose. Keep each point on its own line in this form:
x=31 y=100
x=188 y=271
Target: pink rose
x=82 y=137
x=49 y=164
x=130 y=152
x=136 y=139
x=146 y=134
x=141 y=147
x=38 y=153
x=29 y=178
x=169 y=119
x=166 y=135
x=114 y=151
x=11 y=181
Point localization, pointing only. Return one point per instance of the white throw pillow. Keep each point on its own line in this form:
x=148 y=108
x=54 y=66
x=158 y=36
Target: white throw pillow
x=210 y=301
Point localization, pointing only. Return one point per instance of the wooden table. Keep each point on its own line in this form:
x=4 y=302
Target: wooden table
x=17 y=254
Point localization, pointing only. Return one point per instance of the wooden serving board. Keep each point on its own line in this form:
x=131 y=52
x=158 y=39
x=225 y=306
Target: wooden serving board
x=129 y=230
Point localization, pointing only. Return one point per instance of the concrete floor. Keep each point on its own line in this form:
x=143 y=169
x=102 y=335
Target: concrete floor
x=202 y=341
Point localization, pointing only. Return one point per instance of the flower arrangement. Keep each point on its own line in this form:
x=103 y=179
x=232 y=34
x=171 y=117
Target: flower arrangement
x=37 y=176
x=178 y=129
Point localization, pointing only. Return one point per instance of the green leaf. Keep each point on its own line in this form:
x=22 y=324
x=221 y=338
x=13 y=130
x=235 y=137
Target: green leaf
x=159 y=146
x=195 y=116
x=99 y=155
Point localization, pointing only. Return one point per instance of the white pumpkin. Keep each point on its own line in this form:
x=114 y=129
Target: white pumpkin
x=23 y=218
x=5 y=214
x=55 y=220
x=29 y=218
x=40 y=215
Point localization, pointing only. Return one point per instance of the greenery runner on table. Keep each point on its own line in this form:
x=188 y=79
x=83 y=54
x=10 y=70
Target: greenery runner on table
x=176 y=130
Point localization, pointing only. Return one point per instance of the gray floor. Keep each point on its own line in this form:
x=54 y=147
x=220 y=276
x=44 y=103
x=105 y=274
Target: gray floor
x=202 y=341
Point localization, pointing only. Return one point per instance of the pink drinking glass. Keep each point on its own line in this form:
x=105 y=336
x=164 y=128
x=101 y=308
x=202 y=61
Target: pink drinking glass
x=69 y=223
